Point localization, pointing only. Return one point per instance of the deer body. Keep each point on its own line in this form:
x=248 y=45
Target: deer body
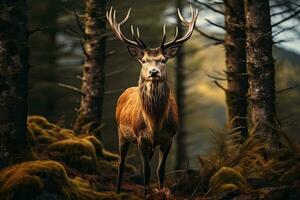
x=147 y=114
x=152 y=116
x=135 y=124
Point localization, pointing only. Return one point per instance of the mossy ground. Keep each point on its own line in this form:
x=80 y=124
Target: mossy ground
x=68 y=166
x=48 y=180
x=75 y=167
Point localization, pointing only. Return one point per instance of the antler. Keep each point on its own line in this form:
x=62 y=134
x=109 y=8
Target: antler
x=190 y=25
x=116 y=27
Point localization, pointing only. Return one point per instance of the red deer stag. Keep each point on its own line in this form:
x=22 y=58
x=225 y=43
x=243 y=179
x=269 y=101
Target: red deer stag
x=147 y=114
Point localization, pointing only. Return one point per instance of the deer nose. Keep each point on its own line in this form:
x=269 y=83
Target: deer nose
x=153 y=72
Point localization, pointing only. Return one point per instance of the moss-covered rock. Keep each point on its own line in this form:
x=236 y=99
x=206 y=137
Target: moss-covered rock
x=41 y=131
x=36 y=180
x=41 y=121
x=78 y=153
x=227 y=179
x=100 y=150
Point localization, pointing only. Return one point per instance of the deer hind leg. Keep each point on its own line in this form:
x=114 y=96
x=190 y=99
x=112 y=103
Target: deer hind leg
x=123 y=148
x=163 y=154
x=144 y=151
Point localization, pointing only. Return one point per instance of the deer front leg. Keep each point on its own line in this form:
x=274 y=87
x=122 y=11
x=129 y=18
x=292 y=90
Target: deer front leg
x=123 y=148
x=163 y=154
x=143 y=148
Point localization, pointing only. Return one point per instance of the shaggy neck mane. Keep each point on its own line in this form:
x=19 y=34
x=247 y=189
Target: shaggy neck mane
x=154 y=97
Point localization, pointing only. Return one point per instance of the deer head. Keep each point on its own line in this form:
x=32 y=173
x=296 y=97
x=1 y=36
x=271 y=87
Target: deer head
x=153 y=60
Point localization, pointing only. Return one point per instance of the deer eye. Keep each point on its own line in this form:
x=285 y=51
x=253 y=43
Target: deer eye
x=143 y=61
x=164 y=60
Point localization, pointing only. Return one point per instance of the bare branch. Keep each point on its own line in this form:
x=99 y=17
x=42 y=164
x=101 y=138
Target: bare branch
x=220 y=86
x=31 y=32
x=79 y=77
x=280 y=41
x=83 y=49
x=70 y=87
x=215 y=77
x=208 y=6
x=219 y=41
x=213 y=23
x=277 y=5
x=283 y=30
x=287 y=89
x=287 y=18
x=217 y=3
x=80 y=26
x=282 y=12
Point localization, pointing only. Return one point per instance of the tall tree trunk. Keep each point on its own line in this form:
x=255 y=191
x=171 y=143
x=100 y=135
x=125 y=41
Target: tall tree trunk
x=260 y=66
x=90 y=112
x=14 y=67
x=237 y=80
x=181 y=152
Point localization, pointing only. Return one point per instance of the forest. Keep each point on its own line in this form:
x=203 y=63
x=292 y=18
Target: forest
x=152 y=99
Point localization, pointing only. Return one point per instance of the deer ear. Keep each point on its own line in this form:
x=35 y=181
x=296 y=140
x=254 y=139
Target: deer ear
x=171 y=52
x=136 y=52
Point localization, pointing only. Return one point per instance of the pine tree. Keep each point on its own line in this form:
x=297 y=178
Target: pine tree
x=260 y=67
x=237 y=82
x=90 y=112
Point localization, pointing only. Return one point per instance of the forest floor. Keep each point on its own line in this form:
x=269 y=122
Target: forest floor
x=78 y=167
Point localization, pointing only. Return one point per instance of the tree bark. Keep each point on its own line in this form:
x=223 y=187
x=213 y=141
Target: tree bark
x=181 y=152
x=236 y=71
x=14 y=67
x=260 y=66
x=90 y=112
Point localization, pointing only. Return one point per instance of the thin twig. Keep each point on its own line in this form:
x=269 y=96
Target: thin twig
x=215 y=24
x=79 y=77
x=287 y=89
x=215 y=77
x=219 y=41
x=80 y=26
x=283 y=30
x=209 y=7
x=220 y=86
x=71 y=88
x=287 y=18
x=31 y=32
x=83 y=49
